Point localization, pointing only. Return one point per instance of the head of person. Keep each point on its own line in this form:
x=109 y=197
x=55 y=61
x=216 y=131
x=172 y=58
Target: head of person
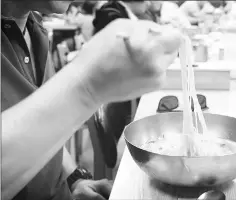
x=180 y=2
x=88 y=7
x=73 y=7
x=217 y=4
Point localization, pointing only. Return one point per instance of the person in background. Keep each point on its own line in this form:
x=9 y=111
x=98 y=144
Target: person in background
x=72 y=11
x=112 y=118
x=204 y=13
x=153 y=13
x=194 y=11
x=171 y=14
x=221 y=7
x=232 y=9
x=81 y=15
x=226 y=16
x=228 y=6
x=85 y=18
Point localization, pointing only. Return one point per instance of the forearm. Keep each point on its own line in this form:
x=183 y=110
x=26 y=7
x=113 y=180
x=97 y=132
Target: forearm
x=35 y=129
x=68 y=163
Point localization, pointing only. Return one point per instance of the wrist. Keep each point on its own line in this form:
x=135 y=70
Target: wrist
x=77 y=175
x=74 y=185
x=83 y=75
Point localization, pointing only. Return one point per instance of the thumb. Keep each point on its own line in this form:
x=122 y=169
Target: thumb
x=96 y=196
x=104 y=187
x=89 y=193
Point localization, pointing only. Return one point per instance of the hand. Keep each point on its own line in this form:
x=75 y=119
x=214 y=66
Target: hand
x=125 y=69
x=91 y=190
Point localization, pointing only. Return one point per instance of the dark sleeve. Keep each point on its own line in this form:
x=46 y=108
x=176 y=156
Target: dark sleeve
x=108 y=13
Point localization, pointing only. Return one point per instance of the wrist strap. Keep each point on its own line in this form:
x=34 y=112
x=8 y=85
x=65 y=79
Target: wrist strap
x=79 y=173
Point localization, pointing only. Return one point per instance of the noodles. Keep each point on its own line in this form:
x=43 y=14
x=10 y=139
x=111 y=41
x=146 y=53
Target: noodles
x=194 y=141
x=189 y=91
x=190 y=120
x=177 y=146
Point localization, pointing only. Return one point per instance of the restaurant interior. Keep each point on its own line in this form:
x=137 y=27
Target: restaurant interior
x=100 y=145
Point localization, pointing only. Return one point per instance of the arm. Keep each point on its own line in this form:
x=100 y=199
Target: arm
x=26 y=127
x=68 y=163
x=41 y=124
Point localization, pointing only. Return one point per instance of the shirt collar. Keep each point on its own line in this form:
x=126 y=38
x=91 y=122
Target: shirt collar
x=33 y=18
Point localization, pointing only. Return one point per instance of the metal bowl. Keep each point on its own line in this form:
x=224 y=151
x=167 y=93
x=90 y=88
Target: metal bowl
x=180 y=170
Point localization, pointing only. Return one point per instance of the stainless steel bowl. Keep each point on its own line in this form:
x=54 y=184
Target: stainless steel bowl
x=180 y=170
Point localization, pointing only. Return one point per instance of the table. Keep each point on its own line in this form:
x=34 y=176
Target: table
x=132 y=183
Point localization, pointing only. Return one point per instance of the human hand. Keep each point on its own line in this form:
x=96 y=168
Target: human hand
x=91 y=190
x=121 y=69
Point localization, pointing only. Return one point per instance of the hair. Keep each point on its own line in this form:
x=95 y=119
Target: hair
x=180 y=3
x=73 y=4
x=217 y=4
x=88 y=7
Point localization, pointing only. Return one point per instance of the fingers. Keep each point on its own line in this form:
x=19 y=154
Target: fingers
x=96 y=196
x=165 y=37
x=104 y=187
x=92 y=190
x=90 y=194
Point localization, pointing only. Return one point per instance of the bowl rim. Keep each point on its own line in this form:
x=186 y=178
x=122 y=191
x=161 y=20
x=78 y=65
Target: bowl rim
x=173 y=113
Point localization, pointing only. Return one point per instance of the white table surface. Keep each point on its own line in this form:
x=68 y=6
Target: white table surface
x=132 y=183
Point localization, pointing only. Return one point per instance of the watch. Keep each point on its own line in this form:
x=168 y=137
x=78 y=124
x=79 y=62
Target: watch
x=79 y=173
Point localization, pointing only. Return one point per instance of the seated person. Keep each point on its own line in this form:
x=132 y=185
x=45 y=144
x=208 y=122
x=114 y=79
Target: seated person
x=172 y=14
x=85 y=24
x=221 y=7
x=73 y=8
x=153 y=12
x=230 y=7
x=193 y=10
x=81 y=15
x=232 y=11
x=88 y=7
